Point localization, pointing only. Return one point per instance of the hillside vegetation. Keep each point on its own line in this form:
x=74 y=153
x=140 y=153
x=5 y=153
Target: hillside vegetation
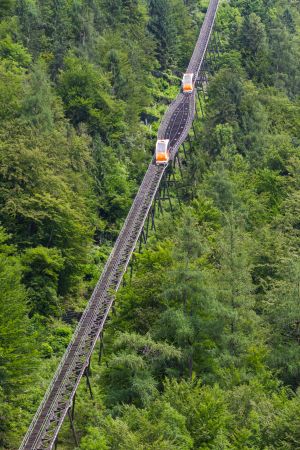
x=203 y=351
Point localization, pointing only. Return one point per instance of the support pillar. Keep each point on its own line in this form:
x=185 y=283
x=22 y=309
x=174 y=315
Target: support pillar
x=73 y=428
x=147 y=225
x=88 y=383
x=101 y=347
x=158 y=201
x=153 y=227
x=169 y=198
x=184 y=150
x=179 y=165
x=131 y=268
x=140 y=243
x=73 y=406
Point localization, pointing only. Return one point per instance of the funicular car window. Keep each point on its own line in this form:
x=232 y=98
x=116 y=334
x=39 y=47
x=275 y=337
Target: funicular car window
x=161 y=147
x=188 y=78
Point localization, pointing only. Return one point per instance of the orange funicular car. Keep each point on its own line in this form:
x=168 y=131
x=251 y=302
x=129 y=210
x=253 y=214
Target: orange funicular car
x=188 y=82
x=162 y=151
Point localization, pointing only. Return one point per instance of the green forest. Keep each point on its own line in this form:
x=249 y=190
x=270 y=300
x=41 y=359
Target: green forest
x=203 y=349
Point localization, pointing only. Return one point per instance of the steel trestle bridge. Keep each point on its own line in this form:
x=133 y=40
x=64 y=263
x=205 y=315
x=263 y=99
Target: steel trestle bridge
x=59 y=399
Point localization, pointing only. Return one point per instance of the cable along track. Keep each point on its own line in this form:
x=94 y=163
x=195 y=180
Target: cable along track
x=57 y=401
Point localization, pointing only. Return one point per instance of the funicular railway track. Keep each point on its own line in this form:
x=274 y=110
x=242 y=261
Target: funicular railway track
x=45 y=426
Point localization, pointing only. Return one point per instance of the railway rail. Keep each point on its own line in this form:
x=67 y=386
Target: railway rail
x=58 y=399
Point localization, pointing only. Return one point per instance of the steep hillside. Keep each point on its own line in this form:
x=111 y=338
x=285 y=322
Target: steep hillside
x=203 y=352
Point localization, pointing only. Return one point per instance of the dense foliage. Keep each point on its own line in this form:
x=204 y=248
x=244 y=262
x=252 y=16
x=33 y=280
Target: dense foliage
x=203 y=352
